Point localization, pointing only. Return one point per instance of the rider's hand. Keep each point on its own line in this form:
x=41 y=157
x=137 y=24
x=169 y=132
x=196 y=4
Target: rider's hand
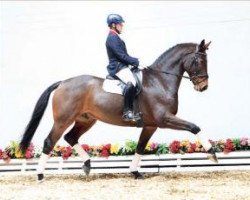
x=131 y=67
x=142 y=67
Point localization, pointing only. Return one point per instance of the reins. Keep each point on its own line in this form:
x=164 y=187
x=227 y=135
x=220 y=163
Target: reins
x=159 y=71
x=195 y=75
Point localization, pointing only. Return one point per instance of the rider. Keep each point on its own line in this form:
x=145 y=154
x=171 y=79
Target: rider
x=121 y=64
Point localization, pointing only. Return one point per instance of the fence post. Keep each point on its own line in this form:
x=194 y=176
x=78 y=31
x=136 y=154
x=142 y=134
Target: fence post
x=178 y=162
x=60 y=165
x=23 y=166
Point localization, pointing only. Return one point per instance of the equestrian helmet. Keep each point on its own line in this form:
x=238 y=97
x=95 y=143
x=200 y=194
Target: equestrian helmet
x=114 y=18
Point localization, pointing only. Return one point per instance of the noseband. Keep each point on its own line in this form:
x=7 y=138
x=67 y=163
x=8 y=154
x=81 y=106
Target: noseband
x=193 y=77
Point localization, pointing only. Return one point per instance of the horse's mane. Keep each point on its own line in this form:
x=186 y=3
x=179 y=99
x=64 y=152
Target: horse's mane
x=173 y=51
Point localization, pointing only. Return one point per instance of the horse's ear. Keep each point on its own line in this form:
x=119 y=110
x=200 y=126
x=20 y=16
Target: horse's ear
x=202 y=43
x=207 y=45
x=202 y=46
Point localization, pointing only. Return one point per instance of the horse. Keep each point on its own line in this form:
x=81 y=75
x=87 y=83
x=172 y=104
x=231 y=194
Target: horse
x=82 y=101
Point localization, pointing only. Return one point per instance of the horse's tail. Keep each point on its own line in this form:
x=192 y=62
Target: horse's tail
x=36 y=117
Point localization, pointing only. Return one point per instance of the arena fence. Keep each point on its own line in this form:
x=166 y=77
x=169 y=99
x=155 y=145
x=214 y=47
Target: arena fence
x=120 y=164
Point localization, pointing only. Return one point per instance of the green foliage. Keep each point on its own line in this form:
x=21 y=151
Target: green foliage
x=12 y=148
x=162 y=149
x=129 y=147
x=185 y=146
x=236 y=142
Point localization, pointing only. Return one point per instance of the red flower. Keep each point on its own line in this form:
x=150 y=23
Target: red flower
x=29 y=154
x=175 y=146
x=193 y=146
x=105 y=152
x=229 y=146
x=66 y=152
x=85 y=147
x=5 y=157
x=107 y=146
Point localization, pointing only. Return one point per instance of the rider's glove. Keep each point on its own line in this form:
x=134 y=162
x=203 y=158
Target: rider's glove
x=142 y=67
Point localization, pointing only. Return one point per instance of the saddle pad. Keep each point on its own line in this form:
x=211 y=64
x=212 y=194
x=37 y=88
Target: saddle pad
x=113 y=86
x=116 y=86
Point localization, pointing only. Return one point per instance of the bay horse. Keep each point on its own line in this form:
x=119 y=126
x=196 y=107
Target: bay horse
x=81 y=100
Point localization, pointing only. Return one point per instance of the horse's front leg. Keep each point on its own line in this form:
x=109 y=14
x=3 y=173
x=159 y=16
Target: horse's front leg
x=146 y=134
x=173 y=122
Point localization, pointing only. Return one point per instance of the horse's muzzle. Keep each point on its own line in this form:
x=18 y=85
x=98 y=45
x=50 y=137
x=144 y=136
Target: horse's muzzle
x=201 y=86
x=204 y=88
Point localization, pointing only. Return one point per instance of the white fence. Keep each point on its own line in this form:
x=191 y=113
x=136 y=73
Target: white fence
x=120 y=164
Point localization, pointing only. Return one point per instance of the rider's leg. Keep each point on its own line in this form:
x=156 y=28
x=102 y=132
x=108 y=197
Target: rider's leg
x=126 y=76
x=129 y=94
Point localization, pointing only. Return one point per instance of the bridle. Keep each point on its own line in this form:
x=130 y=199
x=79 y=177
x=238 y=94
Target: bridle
x=193 y=76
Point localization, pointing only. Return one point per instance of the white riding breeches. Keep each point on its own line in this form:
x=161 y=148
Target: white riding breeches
x=126 y=76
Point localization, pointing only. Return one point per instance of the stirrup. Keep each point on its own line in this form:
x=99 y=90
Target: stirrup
x=130 y=116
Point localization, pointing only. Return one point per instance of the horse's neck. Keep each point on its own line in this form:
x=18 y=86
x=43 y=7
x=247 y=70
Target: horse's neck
x=162 y=84
x=170 y=62
x=170 y=82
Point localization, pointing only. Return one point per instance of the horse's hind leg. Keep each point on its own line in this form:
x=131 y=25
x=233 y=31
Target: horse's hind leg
x=49 y=143
x=74 y=134
x=145 y=136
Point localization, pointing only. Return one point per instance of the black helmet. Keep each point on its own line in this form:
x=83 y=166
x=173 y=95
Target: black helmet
x=114 y=18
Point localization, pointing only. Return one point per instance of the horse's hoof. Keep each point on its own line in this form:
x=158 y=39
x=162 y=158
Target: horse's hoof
x=212 y=156
x=40 y=178
x=137 y=175
x=86 y=167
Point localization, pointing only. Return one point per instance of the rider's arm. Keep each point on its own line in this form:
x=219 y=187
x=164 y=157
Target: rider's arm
x=114 y=43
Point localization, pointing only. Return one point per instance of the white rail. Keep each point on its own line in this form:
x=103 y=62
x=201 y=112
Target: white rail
x=120 y=164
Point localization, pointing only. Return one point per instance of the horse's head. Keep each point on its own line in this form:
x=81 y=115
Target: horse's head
x=195 y=64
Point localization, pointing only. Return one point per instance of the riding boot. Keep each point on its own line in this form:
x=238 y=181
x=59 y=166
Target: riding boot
x=129 y=96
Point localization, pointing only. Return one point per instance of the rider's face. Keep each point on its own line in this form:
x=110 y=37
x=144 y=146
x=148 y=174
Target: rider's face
x=119 y=27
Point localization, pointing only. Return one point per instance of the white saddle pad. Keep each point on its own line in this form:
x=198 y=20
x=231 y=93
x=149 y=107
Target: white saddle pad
x=116 y=86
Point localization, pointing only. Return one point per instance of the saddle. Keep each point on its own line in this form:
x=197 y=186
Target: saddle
x=137 y=76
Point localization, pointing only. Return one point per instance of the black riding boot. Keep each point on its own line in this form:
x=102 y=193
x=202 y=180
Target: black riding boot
x=129 y=96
